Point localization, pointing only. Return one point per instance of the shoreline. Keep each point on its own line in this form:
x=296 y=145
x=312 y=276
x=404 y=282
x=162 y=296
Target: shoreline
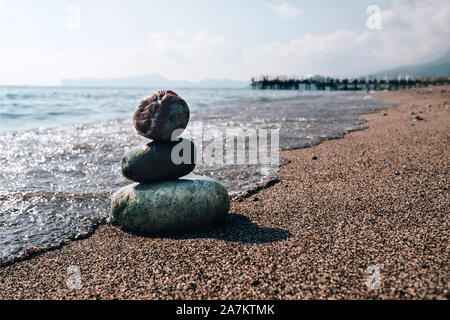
x=279 y=245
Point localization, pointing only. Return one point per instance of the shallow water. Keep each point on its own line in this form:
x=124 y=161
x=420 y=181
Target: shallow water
x=56 y=181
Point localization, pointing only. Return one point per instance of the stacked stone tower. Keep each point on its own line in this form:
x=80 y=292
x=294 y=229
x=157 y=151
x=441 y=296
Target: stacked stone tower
x=165 y=198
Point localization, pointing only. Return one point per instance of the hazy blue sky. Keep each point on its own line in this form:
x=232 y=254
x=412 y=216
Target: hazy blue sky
x=42 y=42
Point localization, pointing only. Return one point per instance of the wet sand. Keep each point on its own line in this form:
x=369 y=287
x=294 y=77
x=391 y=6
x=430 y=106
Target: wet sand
x=377 y=198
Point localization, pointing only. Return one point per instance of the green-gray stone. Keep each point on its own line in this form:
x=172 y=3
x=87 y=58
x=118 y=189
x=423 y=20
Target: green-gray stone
x=190 y=203
x=153 y=162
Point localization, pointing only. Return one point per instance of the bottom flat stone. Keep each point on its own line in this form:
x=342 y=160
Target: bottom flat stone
x=190 y=203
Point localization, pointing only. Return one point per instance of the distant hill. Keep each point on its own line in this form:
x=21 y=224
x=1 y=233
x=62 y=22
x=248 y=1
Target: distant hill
x=153 y=80
x=433 y=69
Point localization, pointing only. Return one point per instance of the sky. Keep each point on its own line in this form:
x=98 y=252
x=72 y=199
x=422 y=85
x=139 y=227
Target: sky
x=42 y=42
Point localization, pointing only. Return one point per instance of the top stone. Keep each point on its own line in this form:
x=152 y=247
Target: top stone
x=159 y=115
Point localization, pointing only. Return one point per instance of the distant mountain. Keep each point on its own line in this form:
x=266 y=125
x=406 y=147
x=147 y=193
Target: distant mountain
x=433 y=69
x=153 y=80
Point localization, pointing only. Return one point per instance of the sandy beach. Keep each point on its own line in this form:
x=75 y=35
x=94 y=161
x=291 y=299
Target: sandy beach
x=376 y=199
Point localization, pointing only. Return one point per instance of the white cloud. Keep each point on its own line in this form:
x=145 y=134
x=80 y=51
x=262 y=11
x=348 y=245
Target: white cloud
x=187 y=55
x=197 y=46
x=411 y=32
x=284 y=10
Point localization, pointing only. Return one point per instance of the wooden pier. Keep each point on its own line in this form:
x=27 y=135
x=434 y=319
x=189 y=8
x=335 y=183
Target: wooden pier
x=332 y=84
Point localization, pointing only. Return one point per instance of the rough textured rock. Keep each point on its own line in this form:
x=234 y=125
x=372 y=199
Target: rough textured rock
x=178 y=206
x=159 y=115
x=153 y=162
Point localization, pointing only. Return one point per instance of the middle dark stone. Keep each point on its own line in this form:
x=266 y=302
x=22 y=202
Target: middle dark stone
x=159 y=161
